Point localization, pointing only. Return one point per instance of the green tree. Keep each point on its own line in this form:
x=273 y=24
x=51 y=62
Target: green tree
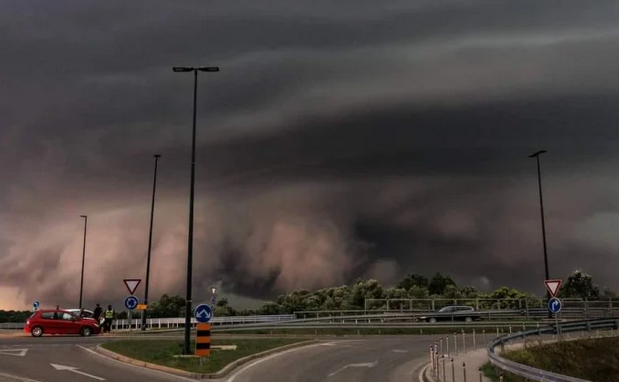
x=413 y=280
x=223 y=308
x=439 y=283
x=365 y=290
x=580 y=285
x=168 y=306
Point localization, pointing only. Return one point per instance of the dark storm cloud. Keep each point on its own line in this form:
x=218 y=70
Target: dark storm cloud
x=339 y=140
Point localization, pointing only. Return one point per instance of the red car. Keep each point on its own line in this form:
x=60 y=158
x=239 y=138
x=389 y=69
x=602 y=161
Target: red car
x=60 y=322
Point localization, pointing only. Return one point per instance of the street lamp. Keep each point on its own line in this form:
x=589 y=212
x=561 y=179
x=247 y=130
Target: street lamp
x=85 y=217
x=541 y=203
x=150 y=242
x=195 y=71
x=213 y=290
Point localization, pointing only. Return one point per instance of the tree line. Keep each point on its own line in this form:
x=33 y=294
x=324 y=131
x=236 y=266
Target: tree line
x=414 y=286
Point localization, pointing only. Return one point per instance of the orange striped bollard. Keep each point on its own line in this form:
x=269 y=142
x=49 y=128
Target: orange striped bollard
x=203 y=340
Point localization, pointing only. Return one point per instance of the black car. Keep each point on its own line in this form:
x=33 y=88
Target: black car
x=452 y=313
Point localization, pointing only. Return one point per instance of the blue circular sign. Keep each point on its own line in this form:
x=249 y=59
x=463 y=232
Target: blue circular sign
x=35 y=305
x=131 y=302
x=203 y=313
x=554 y=305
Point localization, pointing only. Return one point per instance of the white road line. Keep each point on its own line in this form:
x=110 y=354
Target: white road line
x=143 y=369
x=22 y=379
x=367 y=364
x=14 y=352
x=242 y=370
x=398 y=351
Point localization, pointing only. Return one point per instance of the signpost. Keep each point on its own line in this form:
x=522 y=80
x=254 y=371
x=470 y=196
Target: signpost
x=553 y=286
x=35 y=305
x=132 y=285
x=203 y=314
x=554 y=304
x=131 y=303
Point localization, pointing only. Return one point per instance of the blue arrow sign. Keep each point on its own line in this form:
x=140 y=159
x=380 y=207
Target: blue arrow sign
x=131 y=302
x=203 y=313
x=35 y=305
x=554 y=305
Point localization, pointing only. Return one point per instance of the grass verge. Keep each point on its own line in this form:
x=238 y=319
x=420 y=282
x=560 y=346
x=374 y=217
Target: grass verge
x=162 y=352
x=589 y=359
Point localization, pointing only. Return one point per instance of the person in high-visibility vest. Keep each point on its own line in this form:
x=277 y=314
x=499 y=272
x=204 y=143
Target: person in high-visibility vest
x=109 y=317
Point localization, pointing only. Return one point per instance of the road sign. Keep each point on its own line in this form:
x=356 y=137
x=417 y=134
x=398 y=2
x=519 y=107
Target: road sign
x=553 y=286
x=554 y=305
x=142 y=307
x=131 y=302
x=203 y=340
x=213 y=300
x=35 y=305
x=132 y=284
x=203 y=313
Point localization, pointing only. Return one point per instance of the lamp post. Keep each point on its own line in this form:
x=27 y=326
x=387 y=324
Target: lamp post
x=85 y=217
x=213 y=294
x=150 y=242
x=195 y=71
x=541 y=204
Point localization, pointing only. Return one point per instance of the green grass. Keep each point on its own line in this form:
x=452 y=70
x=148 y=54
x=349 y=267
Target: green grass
x=490 y=331
x=589 y=359
x=162 y=352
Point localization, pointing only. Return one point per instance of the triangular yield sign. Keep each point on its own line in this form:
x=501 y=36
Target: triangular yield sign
x=132 y=284
x=15 y=352
x=553 y=286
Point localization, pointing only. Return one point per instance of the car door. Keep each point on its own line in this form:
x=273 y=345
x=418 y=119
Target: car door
x=68 y=323
x=48 y=322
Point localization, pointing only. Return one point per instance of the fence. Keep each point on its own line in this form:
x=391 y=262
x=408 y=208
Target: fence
x=174 y=323
x=537 y=374
x=445 y=365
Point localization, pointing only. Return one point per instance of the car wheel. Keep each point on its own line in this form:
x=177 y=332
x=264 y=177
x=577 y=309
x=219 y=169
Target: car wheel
x=37 y=331
x=468 y=319
x=432 y=320
x=85 y=332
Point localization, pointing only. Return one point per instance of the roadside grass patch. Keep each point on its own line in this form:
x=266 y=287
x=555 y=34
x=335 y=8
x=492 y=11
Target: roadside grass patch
x=162 y=352
x=595 y=359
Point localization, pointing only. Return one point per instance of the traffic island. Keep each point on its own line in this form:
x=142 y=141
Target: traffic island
x=163 y=355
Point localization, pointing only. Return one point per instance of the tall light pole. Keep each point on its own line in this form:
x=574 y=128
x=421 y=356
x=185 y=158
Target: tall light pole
x=191 y=198
x=541 y=204
x=150 y=242
x=85 y=217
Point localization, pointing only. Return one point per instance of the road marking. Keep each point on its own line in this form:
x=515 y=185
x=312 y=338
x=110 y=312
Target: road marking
x=140 y=368
x=233 y=376
x=14 y=352
x=74 y=370
x=329 y=344
x=369 y=365
x=21 y=379
x=398 y=351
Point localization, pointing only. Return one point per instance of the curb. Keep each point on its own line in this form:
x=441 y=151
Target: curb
x=222 y=373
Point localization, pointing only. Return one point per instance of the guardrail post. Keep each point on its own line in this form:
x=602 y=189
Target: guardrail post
x=453 y=371
x=455 y=343
x=447 y=341
x=510 y=328
x=474 y=345
x=485 y=339
x=464 y=371
x=480 y=375
x=463 y=342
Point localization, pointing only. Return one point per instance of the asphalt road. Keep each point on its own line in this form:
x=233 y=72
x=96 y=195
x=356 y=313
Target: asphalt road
x=385 y=359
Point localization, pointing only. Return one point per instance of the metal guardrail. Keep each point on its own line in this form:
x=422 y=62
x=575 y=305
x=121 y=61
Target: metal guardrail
x=537 y=374
x=172 y=323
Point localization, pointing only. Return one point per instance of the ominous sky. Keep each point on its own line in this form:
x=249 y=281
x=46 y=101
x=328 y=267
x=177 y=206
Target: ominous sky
x=340 y=139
